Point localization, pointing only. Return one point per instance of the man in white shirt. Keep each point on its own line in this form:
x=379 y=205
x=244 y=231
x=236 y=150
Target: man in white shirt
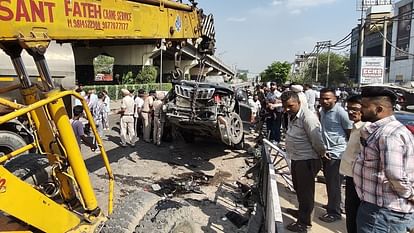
x=353 y=148
x=92 y=99
x=107 y=102
x=310 y=97
x=139 y=102
x=127 y=119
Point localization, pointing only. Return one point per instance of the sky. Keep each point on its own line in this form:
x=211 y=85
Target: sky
x=251 y=34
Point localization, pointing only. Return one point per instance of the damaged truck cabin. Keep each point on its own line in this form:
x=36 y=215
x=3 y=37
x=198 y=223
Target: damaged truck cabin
x=202 y=109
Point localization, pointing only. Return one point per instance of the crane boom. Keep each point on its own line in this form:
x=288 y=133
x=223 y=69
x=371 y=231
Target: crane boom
x=69 y=20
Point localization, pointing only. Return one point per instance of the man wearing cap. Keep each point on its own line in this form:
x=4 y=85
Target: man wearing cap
x=127 y=119
x=139 y=102
x=310 y=97
x=384 y=170
x=157 y=106
x=146 y=113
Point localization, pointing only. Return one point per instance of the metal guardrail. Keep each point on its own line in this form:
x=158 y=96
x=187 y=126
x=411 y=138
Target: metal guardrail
x=273 y=220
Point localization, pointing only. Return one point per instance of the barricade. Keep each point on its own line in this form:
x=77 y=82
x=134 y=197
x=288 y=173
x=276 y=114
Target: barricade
x=274 y=161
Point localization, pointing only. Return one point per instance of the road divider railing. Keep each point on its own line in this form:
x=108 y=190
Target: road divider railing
x=274 y=161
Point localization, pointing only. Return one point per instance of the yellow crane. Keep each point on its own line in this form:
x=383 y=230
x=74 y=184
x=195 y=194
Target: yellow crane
x=64 y=200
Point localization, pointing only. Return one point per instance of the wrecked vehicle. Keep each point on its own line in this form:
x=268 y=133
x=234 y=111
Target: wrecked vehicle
x=207 y=109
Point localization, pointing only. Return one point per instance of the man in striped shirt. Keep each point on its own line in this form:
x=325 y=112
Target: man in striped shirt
x=384 y=170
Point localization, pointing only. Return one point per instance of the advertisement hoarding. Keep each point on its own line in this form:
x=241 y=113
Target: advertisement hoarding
x=365 y=4
x=372 y=70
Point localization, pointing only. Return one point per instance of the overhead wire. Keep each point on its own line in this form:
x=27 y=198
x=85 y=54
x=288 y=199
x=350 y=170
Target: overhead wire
x=390 y=43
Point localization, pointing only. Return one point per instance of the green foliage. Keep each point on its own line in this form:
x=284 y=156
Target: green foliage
x=277 y=72
x=148 y=74
x=114 y=91
x=243 y=76
x=127 y=78
x=103 y=64
x=338 y=70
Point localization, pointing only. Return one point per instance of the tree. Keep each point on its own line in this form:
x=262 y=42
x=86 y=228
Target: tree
x=243 y=76
x=338 y=70
x=127 y=78
x=276 y=72
x=148 y=74
x=103 y=64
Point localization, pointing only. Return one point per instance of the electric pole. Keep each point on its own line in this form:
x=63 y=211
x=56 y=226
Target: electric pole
x=322 y=45
x=317 y=63
x=329 y=62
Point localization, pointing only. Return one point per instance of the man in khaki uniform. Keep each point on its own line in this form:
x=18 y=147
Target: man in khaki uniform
x=157 y=106
x=127 y=119
x=146 y=117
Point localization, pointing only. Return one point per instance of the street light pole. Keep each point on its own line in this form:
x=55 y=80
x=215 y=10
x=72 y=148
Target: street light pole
x=161 y=68
x=162 y=47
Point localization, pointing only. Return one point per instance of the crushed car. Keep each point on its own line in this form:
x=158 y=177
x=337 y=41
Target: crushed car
x=207 y=109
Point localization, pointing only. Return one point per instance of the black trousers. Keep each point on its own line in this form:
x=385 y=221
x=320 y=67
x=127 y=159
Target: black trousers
x=352 y=202
x=333 y=185
x=303 y=177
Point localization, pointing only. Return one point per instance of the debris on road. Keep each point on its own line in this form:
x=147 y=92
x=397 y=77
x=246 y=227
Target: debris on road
x=237 y=219
x=183 y=184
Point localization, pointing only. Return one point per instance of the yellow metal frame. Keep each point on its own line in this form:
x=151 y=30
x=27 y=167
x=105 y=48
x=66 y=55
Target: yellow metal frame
x=103 y=19
x=52 y=107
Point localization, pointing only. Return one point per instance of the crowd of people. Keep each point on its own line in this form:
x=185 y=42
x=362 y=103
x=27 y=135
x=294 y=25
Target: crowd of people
x=140 y=116
x=357 y=141
x=353 y=138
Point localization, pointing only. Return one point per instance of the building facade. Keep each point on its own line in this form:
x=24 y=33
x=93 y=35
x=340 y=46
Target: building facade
x=402 y=59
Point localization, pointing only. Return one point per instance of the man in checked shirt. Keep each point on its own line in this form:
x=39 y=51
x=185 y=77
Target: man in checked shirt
x=384 y=170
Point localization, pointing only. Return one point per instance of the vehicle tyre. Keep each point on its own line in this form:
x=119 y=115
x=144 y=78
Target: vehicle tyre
x=31 y=168
x=167 y=216
x=236 y=128
x=10 y=141
x=188 y=137
x=127 y=216
x=240 y=146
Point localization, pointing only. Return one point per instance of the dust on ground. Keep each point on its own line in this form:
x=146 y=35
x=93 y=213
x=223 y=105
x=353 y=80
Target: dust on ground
x=219 y=168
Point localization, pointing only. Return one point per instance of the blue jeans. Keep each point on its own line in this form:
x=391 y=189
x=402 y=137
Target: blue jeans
x=374 y=219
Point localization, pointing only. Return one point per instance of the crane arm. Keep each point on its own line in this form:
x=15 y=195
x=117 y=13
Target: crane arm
x=75 y=20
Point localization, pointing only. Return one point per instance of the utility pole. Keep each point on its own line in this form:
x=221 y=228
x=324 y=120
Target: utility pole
x=329 y=61
x=317 y=63
x=162 y=47
x=361 y=45
x=322 y=45
x=384 y=47
x=161 y=67
x=384 y=41
x=361 y=50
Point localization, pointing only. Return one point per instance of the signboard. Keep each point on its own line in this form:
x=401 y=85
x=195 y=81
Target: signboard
x=372 y=70
x=363 y=5
x=103 y=78
x=83 y=19
x=403 y=31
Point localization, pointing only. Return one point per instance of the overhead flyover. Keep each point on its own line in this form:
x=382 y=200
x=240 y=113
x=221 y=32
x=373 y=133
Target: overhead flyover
x=190 y=63
x=218 y=66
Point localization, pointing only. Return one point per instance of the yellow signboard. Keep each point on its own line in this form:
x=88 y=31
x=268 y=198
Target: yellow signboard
x=87 y=19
